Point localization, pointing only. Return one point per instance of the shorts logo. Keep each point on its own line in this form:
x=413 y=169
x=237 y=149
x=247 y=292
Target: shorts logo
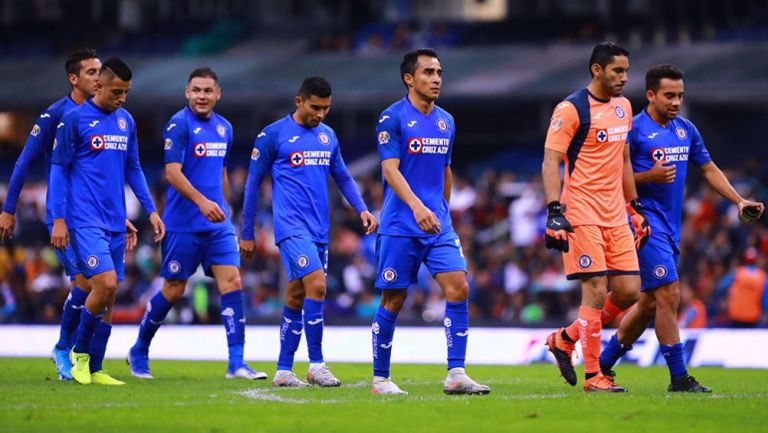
x=659 y=271
x=200 y=150
x=447 y=322
x=35 y=130
x=167 y=144
x=619 y=112
x=221 y=130
x=602 y=136
x=680 y=132
x=442 y=125
x=375 y=328
x=97 y=142
x=323 y=138
x=389 y=275
x=414 y=145
x=297 y=159
x=255 y=154
x=122 y=124
x=658 y=154
x=383 y=137
x=585 y=261
x=302 y=261
x=174 y=267
x=92 y=262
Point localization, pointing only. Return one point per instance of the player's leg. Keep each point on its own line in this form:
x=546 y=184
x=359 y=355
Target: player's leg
x=632 y=326
x=445 y=260
x=291 y=328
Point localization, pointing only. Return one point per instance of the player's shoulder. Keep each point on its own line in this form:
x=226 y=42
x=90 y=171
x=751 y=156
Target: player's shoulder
x=179 y=117
x=222 y=120
x=59 y=108
x=122 y=113
x=441 y=112
x=273 y=130
x=394 y=112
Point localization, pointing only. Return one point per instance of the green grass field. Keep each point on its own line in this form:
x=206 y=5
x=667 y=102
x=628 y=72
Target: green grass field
x=194 y=397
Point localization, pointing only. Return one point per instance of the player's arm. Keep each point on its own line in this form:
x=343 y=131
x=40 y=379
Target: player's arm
x=209 y=208
x=424 y=217
x=447 y=183
x=135 y=177
x=715 y=177
x=262 y=158
x=635 y=209
x=349 y=190
x=64 y=147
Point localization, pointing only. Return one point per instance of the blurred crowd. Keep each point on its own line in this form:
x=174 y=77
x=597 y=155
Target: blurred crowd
x=514 y=280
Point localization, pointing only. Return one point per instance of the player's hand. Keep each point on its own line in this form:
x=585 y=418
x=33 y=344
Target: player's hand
x=556 y=235
x=639 y=223
x=131 y=235
x=370 y=223
x=7 y=225
x=158 y=225
x=211 y=210
x=750 y=210
x=426 y=219
x=661 y=173
x=60 y=234
x=247 y=248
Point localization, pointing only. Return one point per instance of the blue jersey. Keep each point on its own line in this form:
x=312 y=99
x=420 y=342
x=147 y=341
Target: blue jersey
x=202 y=147
x=299 y=159
x=423 y=144
x=677 y=143
x=94 y=153
x=39 y=145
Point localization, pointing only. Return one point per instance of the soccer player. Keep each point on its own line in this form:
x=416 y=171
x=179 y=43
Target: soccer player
x=82 y=68
x=588 y=222
x=95 y=151
x=300 y=151
x=415 y=139
x=661 y=144
x=197 y=144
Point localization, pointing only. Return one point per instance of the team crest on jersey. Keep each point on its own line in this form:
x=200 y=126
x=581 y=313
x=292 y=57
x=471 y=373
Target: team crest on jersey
x=660 y=271
x=442 y=125
x=302 y=261
x=92 y=262
x=323 y=138
x=97 y=142
x=200 y=150
x=35 y=130
x=297 y=159
x=619 y=112
x=680 y=132
x=389 y=275
x=585 y=261
x=174 y=267
x=122 y=124
x=601 y=135
x=222 y=131
x=658 y=154
x=167 y=144
x=414 y=145
x=255 y=154
x=383 y=137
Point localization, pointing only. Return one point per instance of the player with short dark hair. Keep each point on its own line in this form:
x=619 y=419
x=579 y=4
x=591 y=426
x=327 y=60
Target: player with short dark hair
x=300 y=151
x=661 y=144
x=588 y=222
x=95 y=151
x=415 y=140
x=197 y=143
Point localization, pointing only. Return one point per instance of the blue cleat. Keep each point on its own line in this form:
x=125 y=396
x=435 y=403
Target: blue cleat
x=139 y=363
x=60 y=357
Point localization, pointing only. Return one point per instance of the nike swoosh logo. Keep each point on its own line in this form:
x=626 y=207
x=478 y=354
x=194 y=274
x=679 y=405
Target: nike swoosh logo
x=386 y=346
x=314 y=322
x=171 y=126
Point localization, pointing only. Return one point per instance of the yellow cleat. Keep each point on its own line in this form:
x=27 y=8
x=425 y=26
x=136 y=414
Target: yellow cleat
x=101 y=377
x=81 y=368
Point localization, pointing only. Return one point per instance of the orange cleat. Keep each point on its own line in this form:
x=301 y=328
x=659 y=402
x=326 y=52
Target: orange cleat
x=562 y=351
x=602 y=383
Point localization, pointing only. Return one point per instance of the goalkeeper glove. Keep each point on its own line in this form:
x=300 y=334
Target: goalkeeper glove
x=639 y=223
x=556 y=235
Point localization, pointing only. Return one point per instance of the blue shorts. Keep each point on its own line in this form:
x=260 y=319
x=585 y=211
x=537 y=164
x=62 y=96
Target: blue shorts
x=658 y=261
x=98 y=250
x=184 y=252
x=398 y=258
x=67 y=258
x=302 y=256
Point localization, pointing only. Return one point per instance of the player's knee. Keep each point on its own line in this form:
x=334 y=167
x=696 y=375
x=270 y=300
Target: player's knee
x=458 y=292
x=668 y=297
x=393 y=300
x=316 y=289
x=83 y=283
x=174 y=290
x=232 y=282
x=294 y=298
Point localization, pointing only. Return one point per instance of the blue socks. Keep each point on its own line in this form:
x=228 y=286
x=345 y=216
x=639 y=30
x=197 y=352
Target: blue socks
x=313 y=327
x=99 y=345
x=290 y=337
x=612 y=352
x=86 y=330
x=382 y=331
x=456 y=332
x=234 y=324
x=674 y=356
x=70 y=317
x=157 y=308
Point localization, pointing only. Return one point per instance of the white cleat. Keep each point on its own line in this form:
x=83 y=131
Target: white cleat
x=322 y=376
x=458 y=382
x=385 y=386
x=246 y=372
x=288 y=379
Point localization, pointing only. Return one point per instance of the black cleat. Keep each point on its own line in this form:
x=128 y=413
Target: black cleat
x=687 y=384
x=562 y=357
